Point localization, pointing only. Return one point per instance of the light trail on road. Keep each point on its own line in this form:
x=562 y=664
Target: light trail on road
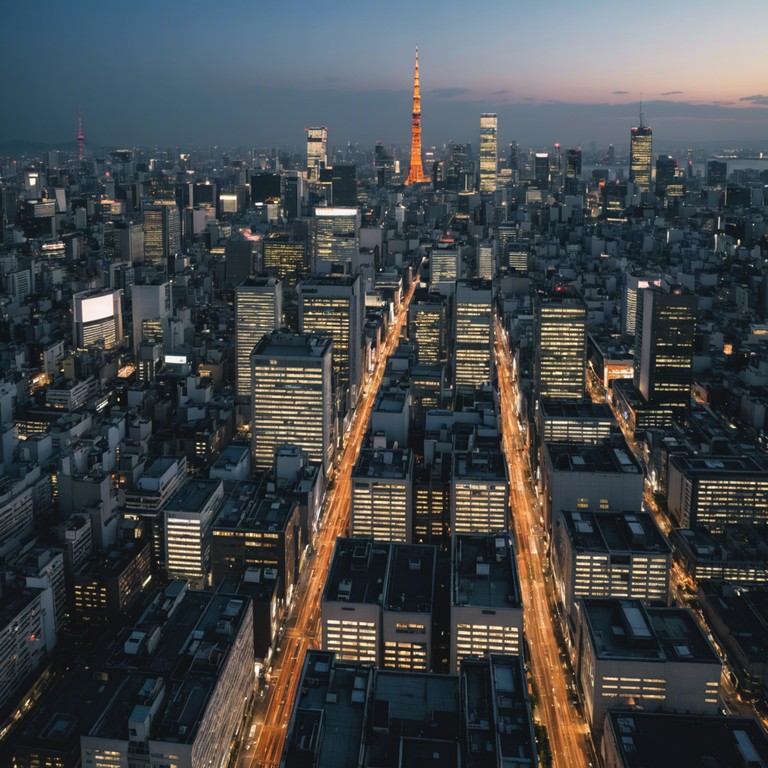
x=567 y=731
x=303 y=628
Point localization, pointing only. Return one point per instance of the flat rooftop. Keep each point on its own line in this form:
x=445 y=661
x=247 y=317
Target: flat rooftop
x=390 y=401
x=627 y=629
x=716 y=466
x=284 y=344
x=329 y=714
x=480 y=464
x=608 y=531
x=485 y=571
x=393 y=464
x=584 y=457
x=739 y=543
x=411 y=578
x=357 y=571
x=688 y=741
x=571 y=409
x=192 y=496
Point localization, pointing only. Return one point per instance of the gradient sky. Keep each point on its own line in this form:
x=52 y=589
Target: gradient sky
x=249 y=72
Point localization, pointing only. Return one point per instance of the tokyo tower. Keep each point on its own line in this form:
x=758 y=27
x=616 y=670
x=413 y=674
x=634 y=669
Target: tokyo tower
x=416 y=172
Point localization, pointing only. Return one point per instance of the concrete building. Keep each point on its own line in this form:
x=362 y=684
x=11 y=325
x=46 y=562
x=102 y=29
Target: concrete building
x=583 y=476
x=188 y=517
x=258 y=311
x=636 y=739
x=253 y=531
x=336 y=241
x=609 y=554
x=97 y=319
x=391 y=415
x=655 y=658
x=151 y=313
x=714 y=491
x=428 y=328
x=486 y=603
x=191 y=665
x=473 y=333
x=479 y=492
x=574 y=421
x=333 y=306
x=292 y=398
x=382 y=495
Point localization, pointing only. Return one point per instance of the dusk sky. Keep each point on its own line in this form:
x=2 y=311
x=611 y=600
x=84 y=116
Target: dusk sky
x=256 y=73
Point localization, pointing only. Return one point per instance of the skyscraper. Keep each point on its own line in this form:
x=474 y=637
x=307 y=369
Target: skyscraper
x=317 y=151
x=334 y=306
x=162 y=233
x=292 y=397
x=258 y=306
x=416 y=172
x=336 y=241
x=572 y=171
x=473 y=337
x=665 y=330
x=560 y=345
x=427 y=328
x=151 y=312
x=640 y=156
x=488 y=151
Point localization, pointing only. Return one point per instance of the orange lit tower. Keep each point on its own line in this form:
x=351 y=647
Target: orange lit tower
x=416 y=172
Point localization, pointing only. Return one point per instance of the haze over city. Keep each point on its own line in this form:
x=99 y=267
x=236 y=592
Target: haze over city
x=245 y=73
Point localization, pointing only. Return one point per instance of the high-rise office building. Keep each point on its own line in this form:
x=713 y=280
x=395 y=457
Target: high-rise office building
x=664 y=339
x=479 y=492
x=258 y=309
x=631 y=294
x=485 y=270
x=382 y=495
x=572 y=170
x=282 y=256
x=162 y=233
x=336 y=243
x=416 y=171
x=560 y=345
x=717 y=172
x=444 y=267
x=473 y=332
x=343 y=181
x=292 y=397
x=427 y=328
x=641 y=156
x=488 y=151
x=666 y=175
x=334 y=306
x=151 y=312
x=317 y=151
x=541 y=170
x=97 y=318
x=383 y=164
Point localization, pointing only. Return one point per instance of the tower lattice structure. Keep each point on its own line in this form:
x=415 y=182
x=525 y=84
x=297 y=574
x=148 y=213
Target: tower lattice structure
x=416 y=172
x=80 y=136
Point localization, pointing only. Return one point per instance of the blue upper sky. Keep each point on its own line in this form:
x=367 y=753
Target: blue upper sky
x=257 y=73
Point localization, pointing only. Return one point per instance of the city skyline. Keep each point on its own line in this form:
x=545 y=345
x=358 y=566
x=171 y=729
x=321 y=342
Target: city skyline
x=178 y=75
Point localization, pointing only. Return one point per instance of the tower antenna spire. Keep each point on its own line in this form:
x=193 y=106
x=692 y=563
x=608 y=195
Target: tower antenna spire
x=416 y=172
x=80 y=136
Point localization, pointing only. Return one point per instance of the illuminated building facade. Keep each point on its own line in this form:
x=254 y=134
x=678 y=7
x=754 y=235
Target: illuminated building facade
x=97 y=319
x=473 y=332
x=560 y=346
x=630 y=296
x=188 y=516
x=665 y=332
x=427 y=329
x=282 y=255
x=292 y=397
x=416 y=172
x=162 y=234
x=382 y=495
x=479 y=492
x=444 y=267
x=571 y=421
x=659 y=658
x=486 y=603
x=641 y=156
x=609 y=554
x=336 y=242
x=258 y=310
x=317 y=151
x=714 y=491
x=334 y=306
x=151 y=312
x=488 y=151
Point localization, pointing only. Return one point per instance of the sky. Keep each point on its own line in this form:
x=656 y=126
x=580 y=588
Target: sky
x=252 y=73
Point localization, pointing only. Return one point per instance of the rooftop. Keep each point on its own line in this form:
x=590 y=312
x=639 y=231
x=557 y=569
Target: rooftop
x=485 y=571
x=285 y=344
x=572 y=409
x=722 y=465
x=391 y=464
x=610 y=531
x=357 y=571
x=602 y=458
x=410 y=579
x=481 y=465
x=193 y=496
